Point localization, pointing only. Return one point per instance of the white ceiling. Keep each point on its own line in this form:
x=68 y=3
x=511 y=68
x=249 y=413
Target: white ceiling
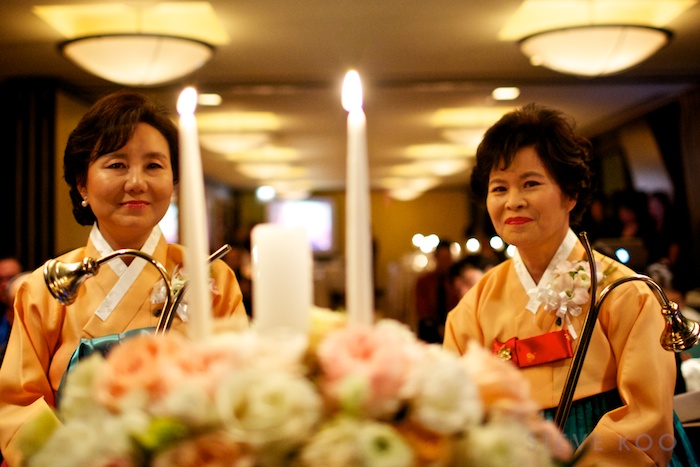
x=415 y=57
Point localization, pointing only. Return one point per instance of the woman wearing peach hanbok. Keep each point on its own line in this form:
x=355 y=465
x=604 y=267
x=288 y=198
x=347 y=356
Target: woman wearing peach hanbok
x=534 y=173
x=121 y=164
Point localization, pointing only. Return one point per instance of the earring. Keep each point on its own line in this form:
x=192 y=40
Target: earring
x=84 y=202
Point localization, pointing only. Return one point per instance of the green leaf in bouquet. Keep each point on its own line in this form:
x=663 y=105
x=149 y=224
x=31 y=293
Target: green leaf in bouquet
x=161 y=433
x=37 y=432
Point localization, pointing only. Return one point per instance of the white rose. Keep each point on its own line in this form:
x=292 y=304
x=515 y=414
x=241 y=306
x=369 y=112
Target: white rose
x=78 y=396
x=260 y=407
x=501 y=444
x=444 y=398
x=350 y=442
x=78 y=444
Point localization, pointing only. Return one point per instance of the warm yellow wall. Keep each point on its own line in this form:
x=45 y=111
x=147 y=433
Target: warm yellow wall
x=442 y=212
x=69 y=234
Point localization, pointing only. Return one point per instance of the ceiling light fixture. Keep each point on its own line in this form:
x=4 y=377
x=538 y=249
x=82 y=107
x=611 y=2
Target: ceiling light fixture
x=592 y=37
x=137 y=44
x=594 y=50
x=137 y=59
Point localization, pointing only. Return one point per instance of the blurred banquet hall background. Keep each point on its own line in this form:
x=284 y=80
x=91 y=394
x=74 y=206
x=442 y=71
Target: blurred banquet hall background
x=435 y=75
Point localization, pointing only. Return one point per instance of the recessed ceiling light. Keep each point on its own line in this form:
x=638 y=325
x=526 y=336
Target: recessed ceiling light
x=231 y=143
x=220 y=122
x=437 y=151
x=209 y=99
x=265 y=193
x=267 y=153
x=505 y=93
x=468 y=117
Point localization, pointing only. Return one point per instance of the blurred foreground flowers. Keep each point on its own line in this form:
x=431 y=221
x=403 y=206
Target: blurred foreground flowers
x=343 y=396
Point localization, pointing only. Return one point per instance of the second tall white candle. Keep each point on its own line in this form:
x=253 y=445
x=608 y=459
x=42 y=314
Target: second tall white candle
x=359 y=279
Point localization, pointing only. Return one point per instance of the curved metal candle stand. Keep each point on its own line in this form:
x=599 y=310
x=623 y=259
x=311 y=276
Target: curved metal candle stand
x=64 y=280
x=679 y=333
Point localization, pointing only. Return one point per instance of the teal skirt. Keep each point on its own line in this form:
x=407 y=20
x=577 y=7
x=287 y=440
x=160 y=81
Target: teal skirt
x=101 y=345
x=585 y=414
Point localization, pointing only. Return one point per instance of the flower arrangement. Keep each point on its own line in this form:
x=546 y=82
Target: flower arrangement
x=342 y=396
x=569 y=289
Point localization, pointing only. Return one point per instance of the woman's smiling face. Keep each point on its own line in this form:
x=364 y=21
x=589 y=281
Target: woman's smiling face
x=526 y=205
x=129 y=190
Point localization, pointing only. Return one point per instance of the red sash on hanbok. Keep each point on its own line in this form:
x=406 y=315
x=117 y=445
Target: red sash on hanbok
x=536 y=350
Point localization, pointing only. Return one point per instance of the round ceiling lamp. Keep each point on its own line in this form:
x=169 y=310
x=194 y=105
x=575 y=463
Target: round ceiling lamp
x=594 y=50
x=137 y=59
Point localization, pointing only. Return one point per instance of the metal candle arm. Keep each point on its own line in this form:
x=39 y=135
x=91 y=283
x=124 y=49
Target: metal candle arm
x=168 y=314
x=64 y=279
x=679 y=333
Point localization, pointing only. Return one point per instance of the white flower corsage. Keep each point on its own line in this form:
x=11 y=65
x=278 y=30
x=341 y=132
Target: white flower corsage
x=568 y=290
x=177 y=281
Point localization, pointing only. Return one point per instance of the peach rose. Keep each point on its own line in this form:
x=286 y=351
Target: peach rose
x=143 y=367
x=500 y=383
x=217 y=449
x=506 y=395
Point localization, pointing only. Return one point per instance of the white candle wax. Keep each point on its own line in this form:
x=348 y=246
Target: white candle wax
x=194 y=219
x=282 y=278
x=359 y=280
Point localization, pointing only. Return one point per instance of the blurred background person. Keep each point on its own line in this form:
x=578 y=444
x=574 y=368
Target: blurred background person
x=467 y=271
x=13 y=286
x=597 y=220
x=10 y=267
x=435 y=295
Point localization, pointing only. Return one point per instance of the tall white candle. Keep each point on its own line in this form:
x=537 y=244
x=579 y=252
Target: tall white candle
x=359 y=280
x=282 y=278
x=194 y=219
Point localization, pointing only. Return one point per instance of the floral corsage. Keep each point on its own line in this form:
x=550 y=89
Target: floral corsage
x=569 y=289
x=177 y=281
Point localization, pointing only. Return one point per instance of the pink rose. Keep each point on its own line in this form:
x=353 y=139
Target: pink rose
x=376 y=355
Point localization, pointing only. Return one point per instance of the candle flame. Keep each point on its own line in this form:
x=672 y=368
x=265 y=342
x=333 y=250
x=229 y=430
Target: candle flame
x=352 y=91
x=187 y=102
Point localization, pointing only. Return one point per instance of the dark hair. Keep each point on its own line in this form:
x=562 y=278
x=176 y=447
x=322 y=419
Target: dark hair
x=565 y=155
x=107 y=126
x=474 y=261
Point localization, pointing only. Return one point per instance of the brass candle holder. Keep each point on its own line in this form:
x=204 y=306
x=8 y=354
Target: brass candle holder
x=679 y=333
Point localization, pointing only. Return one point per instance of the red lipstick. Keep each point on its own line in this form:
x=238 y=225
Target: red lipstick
x=517 y=220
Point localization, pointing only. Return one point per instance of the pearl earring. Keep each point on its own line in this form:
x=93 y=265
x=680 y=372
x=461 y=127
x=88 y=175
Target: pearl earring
x=84 y=202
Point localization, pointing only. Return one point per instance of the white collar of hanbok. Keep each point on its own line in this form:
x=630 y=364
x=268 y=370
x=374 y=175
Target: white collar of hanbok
x=563 y=252
x=127 y=274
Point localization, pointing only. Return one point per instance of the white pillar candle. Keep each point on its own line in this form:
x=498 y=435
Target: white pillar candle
x=193 y=219
x=282 y=265
x=359 y=280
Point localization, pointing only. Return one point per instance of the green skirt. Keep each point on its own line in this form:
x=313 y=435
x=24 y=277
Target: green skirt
x=585 y=414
